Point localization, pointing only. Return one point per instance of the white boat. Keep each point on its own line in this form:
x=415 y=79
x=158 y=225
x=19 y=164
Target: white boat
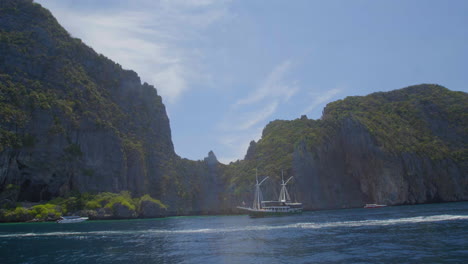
x=283 y=206
x=374 y=205
x=71 y=219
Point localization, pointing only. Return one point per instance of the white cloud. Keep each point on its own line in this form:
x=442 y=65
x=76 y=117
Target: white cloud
x=320 y=99
x=173 y=77
x=238 y=143
x=150 y=39
x=258 y=116
x=274 y=86
x=263 y=102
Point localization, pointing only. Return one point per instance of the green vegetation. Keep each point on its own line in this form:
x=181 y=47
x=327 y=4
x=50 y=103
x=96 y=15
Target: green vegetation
x=58 y=95
x=85 y=203
x=16 y=215
x=428 y=120
x=51 y=73
x=146 y=197
x=425 y=119
x=124 y=199
x=45 y=211
x=41 y=212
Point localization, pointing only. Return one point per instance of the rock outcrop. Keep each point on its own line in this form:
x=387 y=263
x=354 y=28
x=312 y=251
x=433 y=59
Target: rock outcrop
x=149 y=209
x=121 y=211
x=351 y=170
x=73 y=120
x=407 y=146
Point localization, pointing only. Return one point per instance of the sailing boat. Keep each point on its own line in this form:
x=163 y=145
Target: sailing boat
x=283 y=206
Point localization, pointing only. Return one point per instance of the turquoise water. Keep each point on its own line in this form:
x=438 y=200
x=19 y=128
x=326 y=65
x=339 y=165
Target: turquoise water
x=436 y=233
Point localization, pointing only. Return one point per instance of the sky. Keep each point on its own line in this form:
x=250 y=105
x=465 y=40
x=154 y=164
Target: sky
x=226 y=68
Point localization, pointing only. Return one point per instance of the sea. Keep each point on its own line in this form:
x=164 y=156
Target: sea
x=432 y=233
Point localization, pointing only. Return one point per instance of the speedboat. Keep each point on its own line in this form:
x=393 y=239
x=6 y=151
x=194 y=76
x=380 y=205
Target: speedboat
x=374 y=205
x=71 y=219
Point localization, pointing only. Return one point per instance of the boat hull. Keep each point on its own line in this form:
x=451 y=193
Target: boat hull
x=375 y=205
x=65 y=220
x=258 y=213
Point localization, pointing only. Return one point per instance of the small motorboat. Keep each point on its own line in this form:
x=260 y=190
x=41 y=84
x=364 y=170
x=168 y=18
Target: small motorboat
x=71 y=219
x=374 y=205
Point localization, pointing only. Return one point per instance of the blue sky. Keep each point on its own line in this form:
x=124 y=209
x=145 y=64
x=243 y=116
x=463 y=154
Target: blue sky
x=227 y=68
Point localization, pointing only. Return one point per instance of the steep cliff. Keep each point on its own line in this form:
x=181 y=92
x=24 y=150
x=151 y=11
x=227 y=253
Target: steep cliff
x=401 y=147
x=71 y=118
x=73 y=121
x=195 y=187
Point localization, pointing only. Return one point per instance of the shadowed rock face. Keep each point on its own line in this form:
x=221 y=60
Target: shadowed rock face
x=149 y=209
x=326 y=175
x=406 y=146
x=351 y=170
x=72 y=119
x=402 y=147
x=122 y=211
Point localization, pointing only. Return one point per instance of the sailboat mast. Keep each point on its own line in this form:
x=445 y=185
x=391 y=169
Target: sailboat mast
x=284 y=195
x=258 y=193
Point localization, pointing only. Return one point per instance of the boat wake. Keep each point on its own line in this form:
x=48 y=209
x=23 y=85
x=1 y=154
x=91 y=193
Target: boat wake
x=384 y=222
x=306 y=225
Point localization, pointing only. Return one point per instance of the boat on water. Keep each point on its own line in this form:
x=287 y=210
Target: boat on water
x=374 y=205
x=71 y=219
x=283 y=206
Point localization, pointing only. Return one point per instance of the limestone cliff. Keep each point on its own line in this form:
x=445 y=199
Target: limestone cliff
x=402 y=147
x=73 y=120
x=195 y=187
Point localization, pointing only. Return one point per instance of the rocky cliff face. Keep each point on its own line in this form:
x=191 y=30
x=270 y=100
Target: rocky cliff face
x=351 y=170
x=402 y=147
x=73 y=120
x=195 y=187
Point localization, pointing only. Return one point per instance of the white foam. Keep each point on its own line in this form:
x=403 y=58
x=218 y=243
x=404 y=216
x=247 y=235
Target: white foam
x=306 y=225
x=385 y=222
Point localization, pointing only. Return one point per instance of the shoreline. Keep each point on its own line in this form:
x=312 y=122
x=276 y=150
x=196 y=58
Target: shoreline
x=230 y=213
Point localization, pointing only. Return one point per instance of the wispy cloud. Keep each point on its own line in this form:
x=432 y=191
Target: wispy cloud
x=150 y=39
x=238 y=143
x=274 y=86
x=249 y=114
x=258 y=116
x=321 y=99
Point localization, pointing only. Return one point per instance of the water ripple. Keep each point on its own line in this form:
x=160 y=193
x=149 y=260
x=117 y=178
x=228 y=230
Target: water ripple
x=306 y=225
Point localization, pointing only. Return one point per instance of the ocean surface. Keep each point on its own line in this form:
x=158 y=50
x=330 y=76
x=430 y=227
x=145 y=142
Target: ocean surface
x=436 y=233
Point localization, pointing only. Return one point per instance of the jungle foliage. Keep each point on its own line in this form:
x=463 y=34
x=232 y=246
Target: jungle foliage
x=75 y=204
x=427 y=119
